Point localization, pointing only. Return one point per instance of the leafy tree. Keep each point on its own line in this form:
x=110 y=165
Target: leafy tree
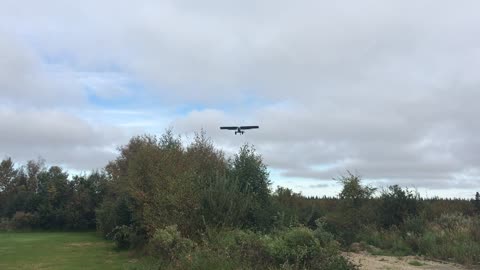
x=353 y=212
x=397 y=205
x=152 y=174
x=287 y=205
x=247 y=166
x=7 y=174
x=223 y=205
x=477 y=201
x=353 y=192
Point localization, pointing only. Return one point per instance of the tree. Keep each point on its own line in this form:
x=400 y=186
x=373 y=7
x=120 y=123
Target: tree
x=477 y=201
x=247 y=166
x=354 y=211
x=54 y=192
x=153 y=176
x=353 y=192
x=7 y=173
x=397 y=205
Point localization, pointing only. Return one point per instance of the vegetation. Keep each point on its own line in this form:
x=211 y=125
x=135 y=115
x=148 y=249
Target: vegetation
x=72 y=250
x=190 y=207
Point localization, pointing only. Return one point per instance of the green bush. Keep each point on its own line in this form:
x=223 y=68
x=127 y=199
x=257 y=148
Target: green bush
x=293 y=248
x=452 y=237
x=397 y=205
x=205 y=259
x=122 y=235
x=247 y=245
x=390 y=241
x=321 y=233
x=415 y=225
x=24 y=221
x=169 y=244
x=299 y=248
x=5 y=224
x=453 y=222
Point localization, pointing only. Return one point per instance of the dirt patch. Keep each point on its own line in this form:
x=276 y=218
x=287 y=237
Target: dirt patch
x=373 y=262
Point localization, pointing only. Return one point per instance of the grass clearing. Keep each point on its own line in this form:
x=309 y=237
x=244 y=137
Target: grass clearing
x=60 y=250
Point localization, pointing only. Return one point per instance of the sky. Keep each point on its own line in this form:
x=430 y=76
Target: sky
x=385 y=89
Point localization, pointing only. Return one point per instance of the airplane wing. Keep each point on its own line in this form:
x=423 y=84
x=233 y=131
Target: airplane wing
x=248 y=127
x=229 y=128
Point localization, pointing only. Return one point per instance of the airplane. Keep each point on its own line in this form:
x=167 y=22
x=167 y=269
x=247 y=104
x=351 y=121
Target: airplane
x=240 y=129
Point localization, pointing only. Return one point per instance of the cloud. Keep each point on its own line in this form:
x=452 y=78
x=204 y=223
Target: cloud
x=25 y=80
x=387 y=89
x=58 y=137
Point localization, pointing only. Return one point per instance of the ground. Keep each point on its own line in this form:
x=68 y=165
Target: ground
x=48 y=251
x=85 y=250
x=372 y=262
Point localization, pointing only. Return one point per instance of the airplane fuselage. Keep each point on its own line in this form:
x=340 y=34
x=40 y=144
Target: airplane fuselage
x=239 y=131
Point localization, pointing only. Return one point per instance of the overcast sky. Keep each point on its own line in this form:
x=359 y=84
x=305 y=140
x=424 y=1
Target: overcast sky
x=388 y=89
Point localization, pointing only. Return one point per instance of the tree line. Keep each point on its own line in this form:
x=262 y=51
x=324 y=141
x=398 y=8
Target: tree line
x=160 y=189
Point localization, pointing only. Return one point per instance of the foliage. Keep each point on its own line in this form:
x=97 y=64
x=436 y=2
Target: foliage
x=354 y=210
x=247 y=166
x=450 y=237
x=168 y=243
x=353 y=191
x=188 y=206
x=122 y=236
x=293 y=248
x=22 y=220
x=36 y=197
x=223 y=204
x=397 y=204
x=61 y=250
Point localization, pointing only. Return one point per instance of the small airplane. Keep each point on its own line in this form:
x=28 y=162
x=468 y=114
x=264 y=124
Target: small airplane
x=240 y=129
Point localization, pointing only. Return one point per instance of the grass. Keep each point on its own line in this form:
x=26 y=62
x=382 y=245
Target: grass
x=64 y=250
x=416 y=263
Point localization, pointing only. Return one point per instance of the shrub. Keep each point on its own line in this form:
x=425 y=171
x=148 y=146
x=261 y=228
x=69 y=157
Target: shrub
x=169 y=244
x=415 y=225
x=293 y=248
x=122 y=236
x=23 y=220
x=475 y=229
x=321 y=233
x=209 y=260
x=5 y=224
x=390 y=241
x=397 y=205
x=453 y=222
x=112 y=213
x=299 y=248
x=247 y=245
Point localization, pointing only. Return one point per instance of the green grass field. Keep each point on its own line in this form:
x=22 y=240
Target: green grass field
x=71 y=250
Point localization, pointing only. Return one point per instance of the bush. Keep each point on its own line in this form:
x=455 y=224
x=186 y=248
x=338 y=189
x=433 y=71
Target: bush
x=390 y=241
x=122 y=235
x=208 y=260
x=415 y=225
x=452 y=237
x=299 y=248
x=24 y=221
x=247 y=245
x=293 y=248
x=169 y=244
x=112 y=213
x=5 y=224
x=453 y=222
x=397 y=205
